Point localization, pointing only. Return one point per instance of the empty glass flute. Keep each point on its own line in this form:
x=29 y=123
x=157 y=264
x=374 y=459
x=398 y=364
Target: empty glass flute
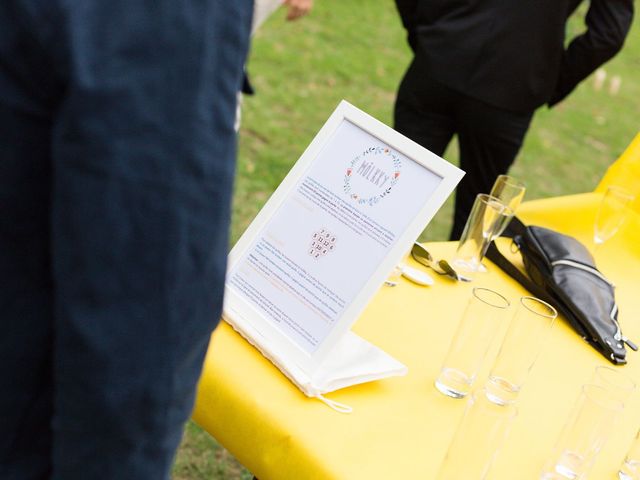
x=527 y=332
x=487 y=215
x=471 y=342
x=630 y=468
x=478 y=439
x=588 y=427
x=510 y=191
x=611 y=214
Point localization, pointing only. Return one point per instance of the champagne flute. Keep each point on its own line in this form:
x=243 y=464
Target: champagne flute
x=611 y=214
x=487 y=212
x=509 y=191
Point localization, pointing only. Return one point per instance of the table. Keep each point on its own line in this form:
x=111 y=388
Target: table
x=401 y=427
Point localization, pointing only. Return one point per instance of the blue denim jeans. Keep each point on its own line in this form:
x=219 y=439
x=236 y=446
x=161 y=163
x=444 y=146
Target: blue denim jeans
x=117 y=155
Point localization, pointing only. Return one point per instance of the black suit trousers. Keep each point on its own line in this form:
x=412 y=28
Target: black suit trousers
x=489 y=138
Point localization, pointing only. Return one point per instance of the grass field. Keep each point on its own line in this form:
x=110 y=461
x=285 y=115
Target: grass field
x=356 y=50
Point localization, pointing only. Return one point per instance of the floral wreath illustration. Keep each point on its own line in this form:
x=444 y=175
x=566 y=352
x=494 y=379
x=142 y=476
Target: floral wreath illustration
x=371 y=151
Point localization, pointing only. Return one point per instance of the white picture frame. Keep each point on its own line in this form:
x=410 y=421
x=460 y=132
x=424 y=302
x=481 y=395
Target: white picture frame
x=251 y=322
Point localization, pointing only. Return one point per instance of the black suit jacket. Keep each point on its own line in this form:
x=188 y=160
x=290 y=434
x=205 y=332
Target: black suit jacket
x=509 y=53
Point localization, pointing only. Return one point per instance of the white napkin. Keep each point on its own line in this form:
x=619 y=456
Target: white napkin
x=352 y=361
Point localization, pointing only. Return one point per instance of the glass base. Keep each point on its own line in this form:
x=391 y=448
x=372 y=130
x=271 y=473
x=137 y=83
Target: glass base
x=453 y=383
x=552 y=476
x=630 y=470
x=501 y=391
x=570 y=466
x=465 y=267
x=448 y=391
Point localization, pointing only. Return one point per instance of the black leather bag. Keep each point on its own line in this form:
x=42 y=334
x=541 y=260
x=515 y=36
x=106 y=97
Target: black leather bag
x=561 y=271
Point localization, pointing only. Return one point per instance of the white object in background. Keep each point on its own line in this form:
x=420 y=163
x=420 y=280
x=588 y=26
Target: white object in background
x=599 y=78
x=262 y=9
x=614 y=84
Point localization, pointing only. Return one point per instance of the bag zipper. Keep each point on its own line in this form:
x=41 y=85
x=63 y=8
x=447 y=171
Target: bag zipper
x=618 y=336
x=584 y=267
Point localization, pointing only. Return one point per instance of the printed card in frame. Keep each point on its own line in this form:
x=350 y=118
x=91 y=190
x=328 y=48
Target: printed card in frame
x=326 y=240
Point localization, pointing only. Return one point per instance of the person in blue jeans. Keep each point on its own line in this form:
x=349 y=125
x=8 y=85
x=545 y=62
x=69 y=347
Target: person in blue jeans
x=117 y=154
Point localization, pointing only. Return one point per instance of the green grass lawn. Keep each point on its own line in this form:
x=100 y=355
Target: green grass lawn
x=356 y=50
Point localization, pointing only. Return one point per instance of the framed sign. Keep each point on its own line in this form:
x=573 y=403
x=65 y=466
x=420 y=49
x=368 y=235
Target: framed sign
x=328 y=237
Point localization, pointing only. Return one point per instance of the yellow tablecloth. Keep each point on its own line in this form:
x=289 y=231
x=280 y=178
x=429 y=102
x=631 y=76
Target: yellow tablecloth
x=401 y=427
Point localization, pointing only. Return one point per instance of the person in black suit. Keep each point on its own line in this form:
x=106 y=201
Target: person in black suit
x=117 y=157
x=482 y=67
